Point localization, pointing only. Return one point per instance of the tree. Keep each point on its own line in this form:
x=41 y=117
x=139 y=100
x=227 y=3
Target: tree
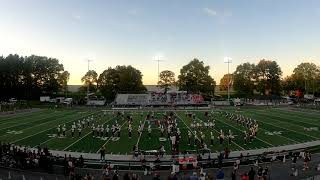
x=107 y=83
x=268 y=75
x=120 y=79
x=36 y=75
x=194 y=77
x=225 y=80
x=63 y=80
x=244 y=77
x=90 y=80
x=288 y=84
x=306 y=76
x=167 y=79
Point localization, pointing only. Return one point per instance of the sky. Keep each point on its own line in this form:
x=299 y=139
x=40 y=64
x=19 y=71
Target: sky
x=135 y=32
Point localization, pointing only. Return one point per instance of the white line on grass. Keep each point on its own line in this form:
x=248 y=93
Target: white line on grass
x=137 y=144
x=66 y=131
x=241 y=131
x=186 y=125
x=30 y=122
x=290 y=130
x=111 y=136
x=30 y=116
x=84 y=136
x=231 y=141
x=37 y=133
x=266 y=130
x=286 y=117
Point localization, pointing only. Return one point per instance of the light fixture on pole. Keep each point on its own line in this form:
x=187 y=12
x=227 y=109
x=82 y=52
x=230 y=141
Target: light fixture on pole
x=88 y=60
x=228 y=60
x=158 y=59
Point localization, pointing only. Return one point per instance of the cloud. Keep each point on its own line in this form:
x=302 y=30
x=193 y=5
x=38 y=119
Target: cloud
x=209 y=11
x=134 y=11
x=76 y=17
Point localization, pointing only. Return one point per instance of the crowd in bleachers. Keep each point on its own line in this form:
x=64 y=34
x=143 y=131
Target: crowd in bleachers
x=40 y=158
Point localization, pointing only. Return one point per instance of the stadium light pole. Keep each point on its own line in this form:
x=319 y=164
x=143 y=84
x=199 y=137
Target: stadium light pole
x=228 y=60
x=158 y=60
x=88 y=60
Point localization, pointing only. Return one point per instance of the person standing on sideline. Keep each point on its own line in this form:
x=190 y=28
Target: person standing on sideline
x=102 y=153
x=252 y=174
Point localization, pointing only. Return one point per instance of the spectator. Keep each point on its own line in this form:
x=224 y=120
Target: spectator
x=102 y=153
x=234 y=175
x=265 y=172
x=156 y=177
x=202 y=177
x=126 y=176
x=220 y=174
x=245 y=176
x=194 y=176
x=81 y=161
x=260 y=173
x=252 y=174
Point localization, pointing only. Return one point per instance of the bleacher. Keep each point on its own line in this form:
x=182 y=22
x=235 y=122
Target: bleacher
x=172 y=98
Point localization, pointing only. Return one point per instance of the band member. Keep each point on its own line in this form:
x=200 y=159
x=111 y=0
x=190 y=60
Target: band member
x=59 y=130
x=64 y=130
x=211 y=139
x=189 y=137
x=149 y=131
x=107 y=131
x=130 y=131
x=221 y=137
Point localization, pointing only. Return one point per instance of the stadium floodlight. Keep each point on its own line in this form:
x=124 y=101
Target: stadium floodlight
x=158 y=58
x=88 y=60
x=228 y=60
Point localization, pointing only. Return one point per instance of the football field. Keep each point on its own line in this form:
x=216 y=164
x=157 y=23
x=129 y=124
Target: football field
x=277 y=127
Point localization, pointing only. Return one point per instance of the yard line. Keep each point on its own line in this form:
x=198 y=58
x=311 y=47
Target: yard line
x=231 y=141
x=242 y=130
x=85 y=135
x=290 y=130
x=111 y=136
x=58 y=115
x=36 y=133
x=285 y=117
x=187 y=125
x=37 y=126
x=266 y=130
x=66 y=131
x=20 y=118
x=137 y=144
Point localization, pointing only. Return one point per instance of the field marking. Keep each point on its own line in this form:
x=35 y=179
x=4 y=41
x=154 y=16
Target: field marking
x=20 y=118
x=37 y=133
x=242 y=131
x=138 y=140
x=112 y=136
x=276 y=135
x=39 y=125
x=286 y=118
x=289 y=129
x=66 y=131
x=187 y=126
x=231 y=141
x=85 y=135
x=55 y=116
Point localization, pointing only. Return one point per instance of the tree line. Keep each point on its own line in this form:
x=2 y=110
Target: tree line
x=265 y=79
x=32 y=76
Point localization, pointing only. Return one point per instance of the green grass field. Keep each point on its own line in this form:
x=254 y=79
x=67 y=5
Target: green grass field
x=277 y=127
